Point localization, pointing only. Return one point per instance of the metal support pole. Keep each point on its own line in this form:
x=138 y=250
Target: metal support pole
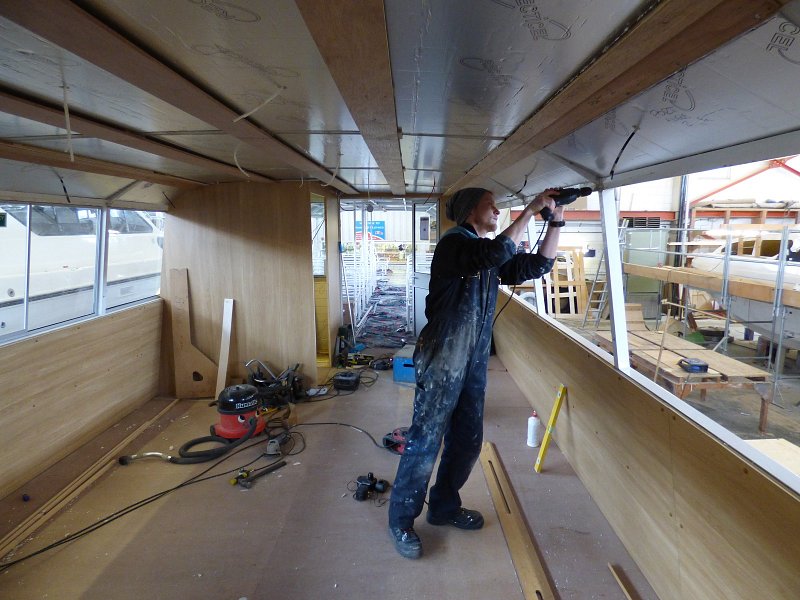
x=26 y=305
x=779 y=314
x=101 y=272
x=619 y=331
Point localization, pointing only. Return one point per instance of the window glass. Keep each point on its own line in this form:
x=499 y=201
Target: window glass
x=318 y=236
x=13 y=259
x=134 y=257
x=63 y=259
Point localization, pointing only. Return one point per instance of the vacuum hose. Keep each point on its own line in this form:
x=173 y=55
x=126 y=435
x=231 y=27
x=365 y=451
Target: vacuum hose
x=187 y=458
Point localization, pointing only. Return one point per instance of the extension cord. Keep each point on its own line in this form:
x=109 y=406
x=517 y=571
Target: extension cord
x=316 y=391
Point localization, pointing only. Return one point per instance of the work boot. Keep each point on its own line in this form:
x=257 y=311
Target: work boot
x=406 y=541
x=463 y=518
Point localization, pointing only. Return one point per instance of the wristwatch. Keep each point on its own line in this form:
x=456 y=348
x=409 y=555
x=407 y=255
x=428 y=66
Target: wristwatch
x=557 y=223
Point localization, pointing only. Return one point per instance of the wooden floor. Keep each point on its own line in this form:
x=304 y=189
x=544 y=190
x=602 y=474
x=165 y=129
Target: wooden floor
x=298 y=533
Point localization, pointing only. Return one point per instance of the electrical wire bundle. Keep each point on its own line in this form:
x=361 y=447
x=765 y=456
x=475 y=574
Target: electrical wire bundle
x=277 y=427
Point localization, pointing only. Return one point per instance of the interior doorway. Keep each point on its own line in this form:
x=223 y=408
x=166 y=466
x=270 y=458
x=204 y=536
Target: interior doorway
x=387 y=245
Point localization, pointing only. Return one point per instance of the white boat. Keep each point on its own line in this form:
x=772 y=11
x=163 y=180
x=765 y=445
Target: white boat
x=63 y=255
x=754 y=255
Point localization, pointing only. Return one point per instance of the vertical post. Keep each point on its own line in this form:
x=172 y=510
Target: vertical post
x=538 y=288
x=779 y=315
x=26 y=302
x=101 y=260
x=610 y=220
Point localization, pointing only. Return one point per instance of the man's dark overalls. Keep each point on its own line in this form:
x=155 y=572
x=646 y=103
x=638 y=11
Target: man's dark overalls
x=450 y=362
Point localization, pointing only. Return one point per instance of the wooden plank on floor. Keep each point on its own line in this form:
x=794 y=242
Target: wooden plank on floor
x=531 y=573
x=620 y=582
x=670 y=342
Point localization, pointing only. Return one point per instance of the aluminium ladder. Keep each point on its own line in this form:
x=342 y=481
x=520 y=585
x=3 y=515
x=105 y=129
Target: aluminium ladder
x=600 y=284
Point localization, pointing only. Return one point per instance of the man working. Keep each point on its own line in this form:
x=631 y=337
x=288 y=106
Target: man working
x=451 y=357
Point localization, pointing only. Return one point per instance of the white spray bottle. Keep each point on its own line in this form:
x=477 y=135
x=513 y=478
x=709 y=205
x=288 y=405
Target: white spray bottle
x=534 y=430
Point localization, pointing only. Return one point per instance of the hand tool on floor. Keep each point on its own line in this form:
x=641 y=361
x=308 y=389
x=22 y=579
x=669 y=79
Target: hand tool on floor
x=247 y=481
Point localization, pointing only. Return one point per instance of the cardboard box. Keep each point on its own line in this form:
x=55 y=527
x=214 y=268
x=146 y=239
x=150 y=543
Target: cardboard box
x=403 y=364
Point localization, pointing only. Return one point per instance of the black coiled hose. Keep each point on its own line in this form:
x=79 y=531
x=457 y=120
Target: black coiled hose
x=188 y=458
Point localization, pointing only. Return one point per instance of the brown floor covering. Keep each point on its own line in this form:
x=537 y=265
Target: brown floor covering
x=298 y=533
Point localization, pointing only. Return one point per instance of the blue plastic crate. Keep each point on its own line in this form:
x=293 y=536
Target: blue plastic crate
x=403 y=364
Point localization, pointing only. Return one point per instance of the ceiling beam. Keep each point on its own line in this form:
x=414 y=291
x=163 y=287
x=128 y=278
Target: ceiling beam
x=351 y=35
x=65 y=24
x=39 y=198
x=672 y=35
x=384 y=196
x=50 y=115
x=56 y=158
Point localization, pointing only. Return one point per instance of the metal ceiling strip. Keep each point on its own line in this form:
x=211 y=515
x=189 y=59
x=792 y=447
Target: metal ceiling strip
x=669 y=37
x=54 y=158
x=43 y=113
x=784 y=144
x=362 y=71
x=58 y=21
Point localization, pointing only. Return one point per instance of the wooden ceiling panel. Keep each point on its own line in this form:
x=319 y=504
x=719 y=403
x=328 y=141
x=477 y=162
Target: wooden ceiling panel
x=58 y=20
x=362 y=70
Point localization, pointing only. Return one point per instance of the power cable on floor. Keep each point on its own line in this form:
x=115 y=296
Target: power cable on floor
x=137 y=505
x=198 y=478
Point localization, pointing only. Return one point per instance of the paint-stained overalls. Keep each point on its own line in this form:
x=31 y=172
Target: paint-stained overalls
x=450 y=362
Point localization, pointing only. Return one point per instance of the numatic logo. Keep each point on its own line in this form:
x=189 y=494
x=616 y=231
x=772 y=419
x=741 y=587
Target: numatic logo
x=539 y=26
x=227 y=11
x=676 y=94
x=783 y=39
x=491 y=68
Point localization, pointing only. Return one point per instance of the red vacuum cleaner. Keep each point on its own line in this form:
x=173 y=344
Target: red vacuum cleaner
x=239 y=421
x=236 y=405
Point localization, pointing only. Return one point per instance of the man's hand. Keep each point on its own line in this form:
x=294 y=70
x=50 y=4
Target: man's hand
x=543 y=199
x=558 y=213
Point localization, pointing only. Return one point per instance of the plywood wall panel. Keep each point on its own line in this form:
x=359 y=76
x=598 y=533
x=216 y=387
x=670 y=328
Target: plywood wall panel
x=700 y=521
x=250 y=242
x=334 y=272
x=62 y=388
x=737 y=529
x=617 y=445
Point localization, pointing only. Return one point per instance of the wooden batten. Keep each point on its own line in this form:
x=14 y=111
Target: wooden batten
x=250 y=242
x=53 y=158
x=753 y=289
x=334 y=270
x=700 y=521
x=62 y=388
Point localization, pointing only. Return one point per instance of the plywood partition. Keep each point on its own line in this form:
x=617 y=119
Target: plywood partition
x=250 y=242
x=334 y=270
x=700 y=521
x=62 y=388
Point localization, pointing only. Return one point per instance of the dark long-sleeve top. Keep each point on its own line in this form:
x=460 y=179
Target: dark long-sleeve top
x=466 y=271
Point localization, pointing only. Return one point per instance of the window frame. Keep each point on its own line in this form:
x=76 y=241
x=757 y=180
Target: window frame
x=100 y=280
